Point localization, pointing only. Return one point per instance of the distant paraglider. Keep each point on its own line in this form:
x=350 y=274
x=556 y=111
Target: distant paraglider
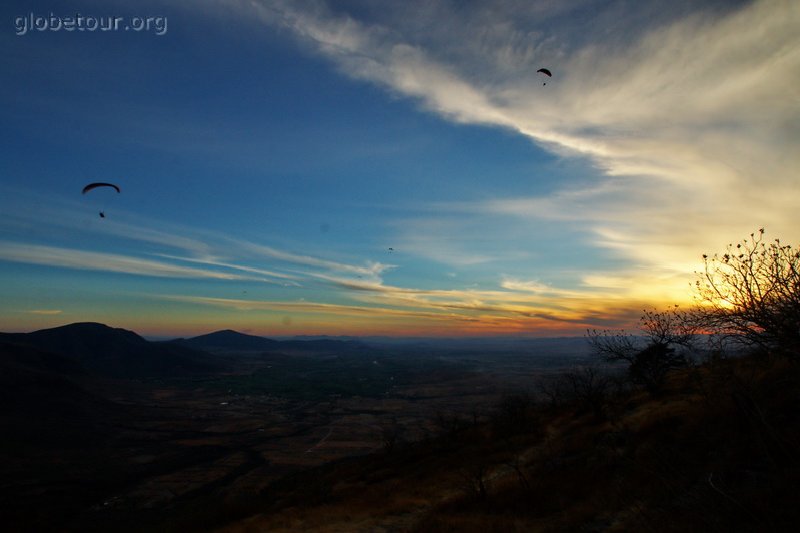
x=97 y=184
x=546 y=72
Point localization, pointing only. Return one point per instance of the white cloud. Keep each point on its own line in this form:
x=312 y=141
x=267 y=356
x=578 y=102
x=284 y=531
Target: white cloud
x=692 y=114
x=312 y=307
x=106 y=262
x=691 y=118
x=369 y=268
x=453 y=239
x=526 y=286
x=129 y=243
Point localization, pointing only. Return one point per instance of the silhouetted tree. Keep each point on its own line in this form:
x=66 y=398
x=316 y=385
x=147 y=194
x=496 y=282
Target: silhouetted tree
x=475 y=478
x=518 y=464
x=652 y=364
x=589 y=387
x=552 y=390
x=665 y=338
x=513 y=415
x=751 y=293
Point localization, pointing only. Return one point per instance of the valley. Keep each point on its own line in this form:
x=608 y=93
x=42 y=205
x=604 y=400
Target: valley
x=197 y=450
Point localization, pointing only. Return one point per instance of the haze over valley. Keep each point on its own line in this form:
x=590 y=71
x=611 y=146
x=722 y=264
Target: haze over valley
x=153 y=430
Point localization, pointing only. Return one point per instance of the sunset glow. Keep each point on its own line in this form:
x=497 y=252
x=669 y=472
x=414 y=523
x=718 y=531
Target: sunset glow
x=312 y=167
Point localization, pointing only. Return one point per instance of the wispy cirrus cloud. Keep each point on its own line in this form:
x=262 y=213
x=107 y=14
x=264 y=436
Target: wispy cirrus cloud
x=369 y=268
x=523 y=299
x=107 y=262
x=685 y=122
x=266 y=275
x=311 y=307
x=529 y=286
x=134 y=244
x=689 y=114
x=342 y=289
x=460 y=310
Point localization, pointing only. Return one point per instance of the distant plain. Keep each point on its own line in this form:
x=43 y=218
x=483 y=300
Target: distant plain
x=157 y=449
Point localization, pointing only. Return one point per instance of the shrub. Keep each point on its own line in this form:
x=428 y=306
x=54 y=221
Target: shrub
x=666 y=337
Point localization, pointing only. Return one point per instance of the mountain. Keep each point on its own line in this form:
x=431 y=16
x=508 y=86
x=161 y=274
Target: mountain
x=229 y=340
x=115 y=352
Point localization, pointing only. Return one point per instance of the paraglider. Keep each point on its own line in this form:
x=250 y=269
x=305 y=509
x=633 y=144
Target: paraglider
x=546 y=72
x=97 y=184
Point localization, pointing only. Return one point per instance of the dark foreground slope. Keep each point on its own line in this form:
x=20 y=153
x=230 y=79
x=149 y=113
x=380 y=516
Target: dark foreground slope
x=54 y=418
x=250 y=449
x=48 y=400
x=93 y=439
x=72 y=415
x=716 y=452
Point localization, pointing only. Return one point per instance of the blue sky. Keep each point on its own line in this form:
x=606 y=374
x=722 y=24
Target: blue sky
x=397 y=168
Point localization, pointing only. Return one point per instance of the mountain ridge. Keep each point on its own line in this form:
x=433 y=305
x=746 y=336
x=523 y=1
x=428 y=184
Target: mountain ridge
x=115 y=352
x=228 y=339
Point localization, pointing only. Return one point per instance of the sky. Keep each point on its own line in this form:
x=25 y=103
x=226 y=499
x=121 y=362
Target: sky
x=356 y=167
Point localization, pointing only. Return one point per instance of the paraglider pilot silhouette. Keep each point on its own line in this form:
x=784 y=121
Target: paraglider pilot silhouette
x=100 y=184
x=546 y=72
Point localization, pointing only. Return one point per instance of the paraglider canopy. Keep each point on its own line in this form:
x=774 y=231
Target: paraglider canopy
x=99 y=184
x=546 y=72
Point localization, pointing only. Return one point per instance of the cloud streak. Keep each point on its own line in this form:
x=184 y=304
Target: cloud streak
x=133 y=244
x=335 y=310
x=106 y=262
x=686 y=118
x=340 y=289
x=691 y=119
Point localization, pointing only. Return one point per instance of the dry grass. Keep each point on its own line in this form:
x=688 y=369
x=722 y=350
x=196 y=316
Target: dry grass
x=715 y=452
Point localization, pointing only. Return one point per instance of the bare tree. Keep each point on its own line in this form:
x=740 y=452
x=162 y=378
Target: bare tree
x=475 y=479
x=665 y=338
x=752 y=293
x=552 y=389
x=513 y=415
x=517 y=463
x=590 y=387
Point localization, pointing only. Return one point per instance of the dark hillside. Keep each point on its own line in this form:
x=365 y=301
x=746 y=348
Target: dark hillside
x=229 y=340
x=715 y=452
x=334 y=442
x=46 y=400
x=115 y=352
